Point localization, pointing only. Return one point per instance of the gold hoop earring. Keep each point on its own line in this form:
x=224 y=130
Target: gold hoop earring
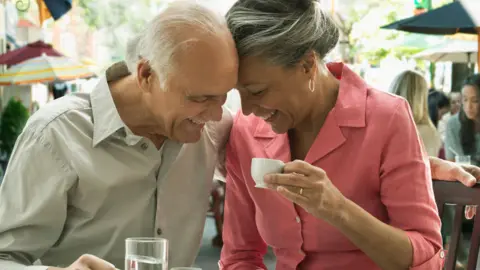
x=311 y=85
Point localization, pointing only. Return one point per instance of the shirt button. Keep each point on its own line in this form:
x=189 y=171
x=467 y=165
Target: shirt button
x=297 y=219
x=144 y=146
x=442 y=254
x=159 y=231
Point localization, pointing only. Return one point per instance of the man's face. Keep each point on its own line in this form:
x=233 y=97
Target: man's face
x=455 y=102
x=195 y=90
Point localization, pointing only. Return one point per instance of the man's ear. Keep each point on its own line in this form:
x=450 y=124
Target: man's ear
x=144 y=75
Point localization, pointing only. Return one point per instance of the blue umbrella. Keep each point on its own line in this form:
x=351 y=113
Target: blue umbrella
x=58 y=7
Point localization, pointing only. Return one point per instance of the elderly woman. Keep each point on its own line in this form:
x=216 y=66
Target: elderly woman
x=362 y=198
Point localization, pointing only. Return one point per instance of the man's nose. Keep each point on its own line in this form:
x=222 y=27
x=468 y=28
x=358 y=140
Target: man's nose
x=215 y=111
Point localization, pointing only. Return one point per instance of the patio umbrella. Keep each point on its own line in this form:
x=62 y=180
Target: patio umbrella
x=29 y=51
x=53 y=8
x=456 y=17
x=456 y=51
x=45 y=69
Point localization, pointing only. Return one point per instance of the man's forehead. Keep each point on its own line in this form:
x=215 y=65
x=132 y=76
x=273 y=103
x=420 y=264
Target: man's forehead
x=206 y=68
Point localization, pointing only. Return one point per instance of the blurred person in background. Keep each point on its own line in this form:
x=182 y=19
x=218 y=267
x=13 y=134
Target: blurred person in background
x=455 y=104
x=412 y=86
x=438 y=106
x=463 y=129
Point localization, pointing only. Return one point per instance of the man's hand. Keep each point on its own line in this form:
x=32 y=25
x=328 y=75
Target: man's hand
x=450 y=171
x=88 y=262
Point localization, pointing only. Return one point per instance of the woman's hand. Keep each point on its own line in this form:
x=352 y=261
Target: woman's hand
x=450 y=171
x=309 y=187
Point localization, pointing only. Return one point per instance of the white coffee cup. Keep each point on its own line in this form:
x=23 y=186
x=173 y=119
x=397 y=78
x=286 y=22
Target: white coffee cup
x=262 y=166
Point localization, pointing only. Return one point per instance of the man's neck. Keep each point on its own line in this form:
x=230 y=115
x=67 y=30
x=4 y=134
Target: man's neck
x=129 y=103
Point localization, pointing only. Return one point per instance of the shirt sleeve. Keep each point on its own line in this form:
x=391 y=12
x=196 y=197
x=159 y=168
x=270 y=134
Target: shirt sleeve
x=452 y=139
x=243 y=247
x=33 y=202
x=218 y=134
x=407 y=191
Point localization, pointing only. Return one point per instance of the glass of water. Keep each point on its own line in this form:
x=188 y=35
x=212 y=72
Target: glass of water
x=464 y=160
x=146 y=254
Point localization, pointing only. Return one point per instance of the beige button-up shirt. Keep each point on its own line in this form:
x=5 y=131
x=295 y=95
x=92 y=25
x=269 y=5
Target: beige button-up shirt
x=80 y=182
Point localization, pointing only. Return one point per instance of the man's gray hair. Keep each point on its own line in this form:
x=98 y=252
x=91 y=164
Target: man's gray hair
x=281 y=31
x=180 y=23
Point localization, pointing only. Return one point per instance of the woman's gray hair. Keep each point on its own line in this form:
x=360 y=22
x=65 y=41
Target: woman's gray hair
x=175 y=27
x=281 y=31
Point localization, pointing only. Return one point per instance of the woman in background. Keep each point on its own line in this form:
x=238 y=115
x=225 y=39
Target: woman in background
x=463 y=129
x=413 y=87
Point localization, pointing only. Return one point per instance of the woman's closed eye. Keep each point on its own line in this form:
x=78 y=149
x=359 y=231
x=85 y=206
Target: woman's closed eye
x=257 y=93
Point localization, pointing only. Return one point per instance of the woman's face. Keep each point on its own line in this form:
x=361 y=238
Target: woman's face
x=470 y=102
x=277 y=94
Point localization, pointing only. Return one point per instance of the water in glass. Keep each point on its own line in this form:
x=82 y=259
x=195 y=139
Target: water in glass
x=137 y=262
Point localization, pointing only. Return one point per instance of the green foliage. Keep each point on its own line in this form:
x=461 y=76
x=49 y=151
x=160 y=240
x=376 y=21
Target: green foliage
x=376 y=56
x=360 y=23
x=118 y=19
x=13 y=120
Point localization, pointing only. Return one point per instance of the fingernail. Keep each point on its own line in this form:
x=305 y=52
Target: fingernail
x=267 y=178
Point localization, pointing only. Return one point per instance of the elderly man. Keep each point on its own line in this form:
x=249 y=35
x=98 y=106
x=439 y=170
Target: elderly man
x=135 y=158
x=130 y=159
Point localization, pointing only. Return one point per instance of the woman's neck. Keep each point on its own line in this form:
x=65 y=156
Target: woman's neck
x=303 y=135
x=323 y=100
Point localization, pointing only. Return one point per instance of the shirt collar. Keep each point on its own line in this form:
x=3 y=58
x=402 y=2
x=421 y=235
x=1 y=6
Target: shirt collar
x=106 y=120
x=350 y=108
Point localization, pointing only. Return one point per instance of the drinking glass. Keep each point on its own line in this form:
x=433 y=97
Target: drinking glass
x=146 y=254
x=464 y=160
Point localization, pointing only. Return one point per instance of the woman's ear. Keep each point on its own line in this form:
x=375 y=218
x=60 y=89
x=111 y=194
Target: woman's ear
x=309 y=63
